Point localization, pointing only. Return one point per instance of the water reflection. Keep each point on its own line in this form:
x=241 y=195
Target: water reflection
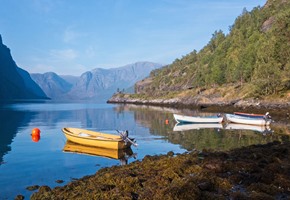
x=260 y=129
x=185 y=127
x=51 y=115
x=27 y=162
x=201 y=136
x=123 y=155
x=10 y=123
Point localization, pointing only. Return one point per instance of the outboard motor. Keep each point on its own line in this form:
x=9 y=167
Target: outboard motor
x=267 y=116
x=126 y=133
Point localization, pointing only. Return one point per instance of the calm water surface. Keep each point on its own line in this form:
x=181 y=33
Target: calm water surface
x=24 y=162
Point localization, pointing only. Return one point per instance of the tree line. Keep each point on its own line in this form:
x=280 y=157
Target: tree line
x=255 y=54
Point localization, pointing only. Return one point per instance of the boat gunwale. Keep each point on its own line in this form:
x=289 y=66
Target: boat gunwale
x=108 y=143
x=204 y=120
x=251 y=115
x=92 y=137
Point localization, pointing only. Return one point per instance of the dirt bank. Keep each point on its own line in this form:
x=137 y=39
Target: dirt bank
x=255 y=172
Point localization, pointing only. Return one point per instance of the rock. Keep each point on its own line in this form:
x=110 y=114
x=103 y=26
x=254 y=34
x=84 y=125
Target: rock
x=33 y=187
x=19 y=197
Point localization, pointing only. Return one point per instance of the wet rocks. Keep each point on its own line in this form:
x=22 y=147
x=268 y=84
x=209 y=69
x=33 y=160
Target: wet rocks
x=33 y=187
x=255 y=172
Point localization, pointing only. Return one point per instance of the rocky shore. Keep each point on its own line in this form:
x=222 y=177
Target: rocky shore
x=204 y=102
x=255 y=172
x=212 y=102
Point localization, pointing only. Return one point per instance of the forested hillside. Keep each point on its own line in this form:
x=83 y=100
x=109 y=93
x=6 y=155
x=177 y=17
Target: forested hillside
x=254 y=57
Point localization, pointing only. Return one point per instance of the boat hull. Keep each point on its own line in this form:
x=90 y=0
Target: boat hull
x=96 y=139
x=191 y=119
x=247 y=120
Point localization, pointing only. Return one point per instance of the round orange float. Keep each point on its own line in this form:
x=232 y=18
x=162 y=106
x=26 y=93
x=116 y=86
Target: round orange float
x=35 y=137
x=35 y=134
x=35 y=131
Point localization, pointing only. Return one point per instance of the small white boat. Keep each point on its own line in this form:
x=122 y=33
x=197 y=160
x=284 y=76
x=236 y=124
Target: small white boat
x=197 y=119
x=185 y=127
x=253 y=115
x=248 y=120
x=261 y=129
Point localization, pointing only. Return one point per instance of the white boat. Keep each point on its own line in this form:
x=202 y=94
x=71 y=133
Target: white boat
x=248 y=120
x=252 y=115
x=185 y=127
x=256 y=128
x=197 y=119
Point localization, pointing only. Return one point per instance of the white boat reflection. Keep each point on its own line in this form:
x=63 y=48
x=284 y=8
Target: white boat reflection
x=185 y=127
x=261 y=129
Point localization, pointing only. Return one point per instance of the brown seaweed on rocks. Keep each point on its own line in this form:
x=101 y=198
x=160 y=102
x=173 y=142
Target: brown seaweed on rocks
x=254 y=172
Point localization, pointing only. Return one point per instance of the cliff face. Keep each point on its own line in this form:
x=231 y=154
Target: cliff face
x=15 y=83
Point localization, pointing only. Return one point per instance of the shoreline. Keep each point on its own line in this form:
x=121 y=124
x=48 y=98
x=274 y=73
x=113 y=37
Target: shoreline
x=176 y=102
x=279 y=108
x=255 y=172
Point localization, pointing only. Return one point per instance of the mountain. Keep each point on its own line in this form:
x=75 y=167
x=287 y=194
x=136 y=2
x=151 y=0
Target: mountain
x=252 y=61
x=54 y=86
x=15 y=83
x=97 y=84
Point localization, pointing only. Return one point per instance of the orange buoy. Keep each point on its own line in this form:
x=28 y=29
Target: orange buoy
x=35 y=134
x=166 y=121
x=35 y=131
x=35 y=137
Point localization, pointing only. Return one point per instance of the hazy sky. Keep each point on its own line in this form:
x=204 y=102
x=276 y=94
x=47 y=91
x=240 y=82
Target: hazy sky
x=75 y=36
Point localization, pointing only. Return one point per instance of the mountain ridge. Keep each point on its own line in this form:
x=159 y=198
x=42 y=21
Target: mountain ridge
x=96 y=84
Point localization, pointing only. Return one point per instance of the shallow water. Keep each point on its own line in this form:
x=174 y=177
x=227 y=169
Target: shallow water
x=24 y=162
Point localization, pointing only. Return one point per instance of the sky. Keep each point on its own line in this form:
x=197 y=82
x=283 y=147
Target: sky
x=70 y=37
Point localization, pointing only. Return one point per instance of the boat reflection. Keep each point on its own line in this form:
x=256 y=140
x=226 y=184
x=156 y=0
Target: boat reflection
x=185 y=127
x=119 y=154
x=261 y=129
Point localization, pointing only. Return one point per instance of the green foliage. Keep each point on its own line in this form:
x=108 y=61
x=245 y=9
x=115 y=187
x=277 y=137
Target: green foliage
x=256 y=52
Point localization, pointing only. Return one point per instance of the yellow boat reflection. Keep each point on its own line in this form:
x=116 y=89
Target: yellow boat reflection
x=119 y=154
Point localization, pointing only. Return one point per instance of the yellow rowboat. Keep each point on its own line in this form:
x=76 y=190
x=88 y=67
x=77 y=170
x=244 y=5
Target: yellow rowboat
x=117 y=154
x=98 y=139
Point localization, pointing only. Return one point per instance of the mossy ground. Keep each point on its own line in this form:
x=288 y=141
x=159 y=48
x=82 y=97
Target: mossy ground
x=255 y=172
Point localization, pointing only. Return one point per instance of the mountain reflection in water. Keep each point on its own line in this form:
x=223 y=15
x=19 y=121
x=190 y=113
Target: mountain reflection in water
x=27 y=162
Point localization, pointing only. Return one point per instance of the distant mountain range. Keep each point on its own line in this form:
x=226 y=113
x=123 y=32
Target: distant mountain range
x=16 y=83
x=98 y=84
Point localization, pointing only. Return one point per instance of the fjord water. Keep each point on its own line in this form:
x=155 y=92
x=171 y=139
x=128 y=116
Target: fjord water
x=26 y=162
